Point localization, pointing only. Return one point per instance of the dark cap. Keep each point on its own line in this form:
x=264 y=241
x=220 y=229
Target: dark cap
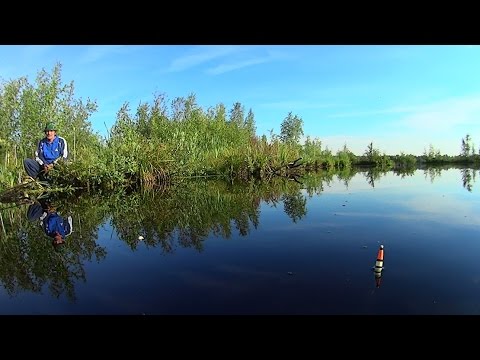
x=50 y=126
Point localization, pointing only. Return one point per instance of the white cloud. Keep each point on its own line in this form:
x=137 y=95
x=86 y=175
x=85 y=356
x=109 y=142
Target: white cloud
x=97 y=52
x=444 y=115
x=239 y=64
x=205 y=54
x=295 y=105
x=201 y=55
x=439 y=115
x=391 y=110
x=223 y=68
x=407 y=142
x=440 y=123
x=34 y=51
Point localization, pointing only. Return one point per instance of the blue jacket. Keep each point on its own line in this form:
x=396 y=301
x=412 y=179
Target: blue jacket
x=55 y=223
x=48 y=153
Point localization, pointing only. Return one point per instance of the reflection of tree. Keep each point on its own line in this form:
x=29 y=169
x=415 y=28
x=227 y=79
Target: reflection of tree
x=370 y=178
x=28 y=261
x=468 y=178
x=187 y=214
x=374 y=174
x=403 y=172
x=346 y=174
x=313 y=184
x=242 y=223
x=433 y=173
x=295 y=206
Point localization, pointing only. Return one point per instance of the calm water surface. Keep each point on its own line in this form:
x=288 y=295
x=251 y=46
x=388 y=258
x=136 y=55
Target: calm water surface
x=286 y=249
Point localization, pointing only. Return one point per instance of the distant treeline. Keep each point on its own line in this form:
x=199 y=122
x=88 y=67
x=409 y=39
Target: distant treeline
x=165 y=140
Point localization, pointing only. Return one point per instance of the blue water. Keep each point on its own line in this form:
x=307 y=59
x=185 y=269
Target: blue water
x=319 y=264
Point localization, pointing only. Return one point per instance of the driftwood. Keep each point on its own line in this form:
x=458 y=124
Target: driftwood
x=290 y=171
x=30 y=191
x=291 y=165
x=24 y=193
x=293 y=177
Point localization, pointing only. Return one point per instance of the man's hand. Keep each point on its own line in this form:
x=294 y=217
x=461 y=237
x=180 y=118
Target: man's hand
x=46 y=167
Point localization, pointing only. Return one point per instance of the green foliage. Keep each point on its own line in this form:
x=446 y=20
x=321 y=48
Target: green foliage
x=373 y=157
x=432 y=154
x=467 y=146
x=404 y=161
x=312 y=150
x=345 y=157
x=237 y=115
x=156 y=143
x=291 y=129
x=371 y=153
x=250 y=123
x=24 y=110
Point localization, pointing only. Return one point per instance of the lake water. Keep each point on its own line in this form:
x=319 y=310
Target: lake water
x=279 y=248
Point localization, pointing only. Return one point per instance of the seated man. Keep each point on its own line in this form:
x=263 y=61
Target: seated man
x=50 y=150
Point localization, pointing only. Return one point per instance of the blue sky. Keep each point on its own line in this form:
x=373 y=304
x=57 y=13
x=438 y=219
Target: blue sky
x=401 y=98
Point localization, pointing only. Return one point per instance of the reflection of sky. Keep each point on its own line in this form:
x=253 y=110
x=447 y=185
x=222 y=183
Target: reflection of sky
x=449 y=181
x=441 y=209
x=416 y=197
x=431 y=223
x=412 y=198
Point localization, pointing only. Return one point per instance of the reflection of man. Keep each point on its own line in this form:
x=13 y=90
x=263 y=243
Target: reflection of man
x=54 y=225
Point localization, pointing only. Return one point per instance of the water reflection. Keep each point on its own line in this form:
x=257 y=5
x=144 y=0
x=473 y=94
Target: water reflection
x=186 y=216
x=468 y=178
x=190 y=212
x=373 y=175
x=29 y=263
x=53 y=224
x=433 y=173
x=295 y=206
x=468 y=175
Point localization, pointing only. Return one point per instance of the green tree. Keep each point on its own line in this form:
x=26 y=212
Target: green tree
x=220 y=113
x=432 y=153
x=178 y=111
x=237 y=115
x=291 y=129
x=467 y=146
x=371 y=153
x=250 y=123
